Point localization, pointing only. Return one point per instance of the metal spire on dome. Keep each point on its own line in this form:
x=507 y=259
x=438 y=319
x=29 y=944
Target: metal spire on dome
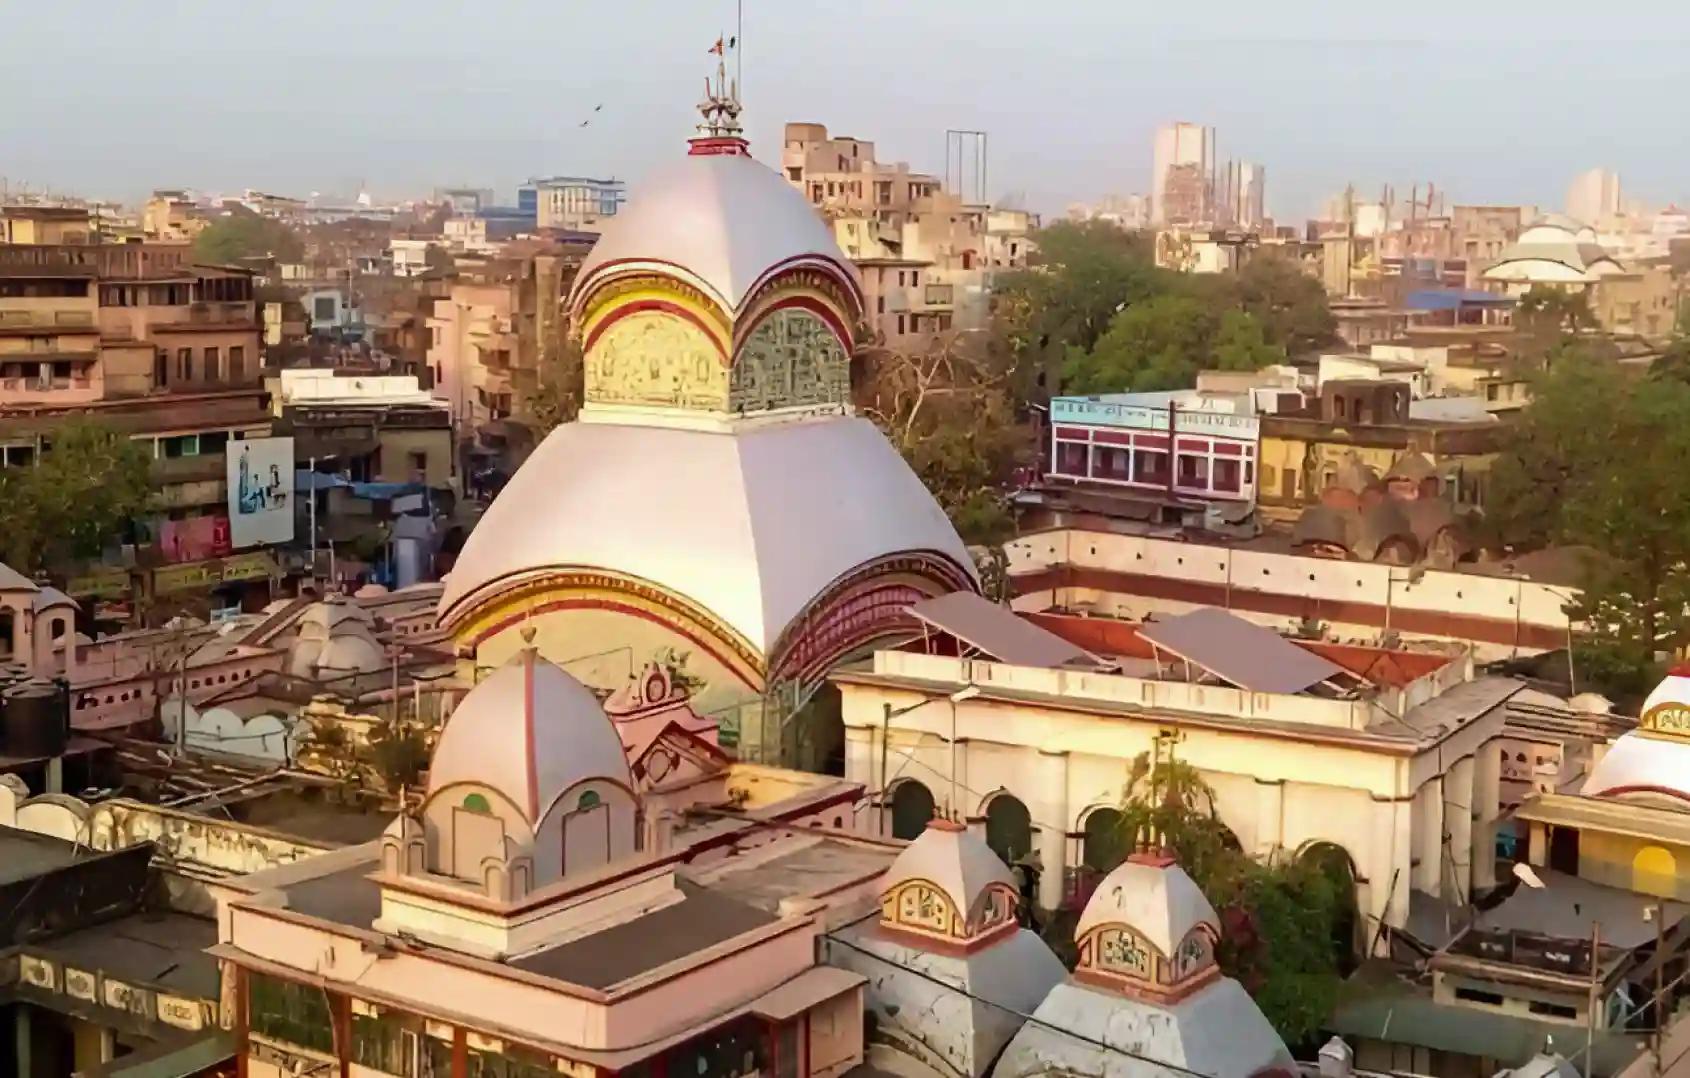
x=719 y=132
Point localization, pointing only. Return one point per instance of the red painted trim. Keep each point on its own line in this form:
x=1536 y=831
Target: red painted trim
x=614 y=268
x=1111 y=437
x=1227 y=449
x=641 y=306
x=718 y=146
x=1615 y=791
x=1073 y=434
x=1151 y=441
x=806 y=303
x=620 y=608
x=839 y=271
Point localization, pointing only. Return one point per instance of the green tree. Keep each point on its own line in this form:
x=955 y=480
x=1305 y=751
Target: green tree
x=82 y=494
x=1595 y=462
x=1283 y=920
x=1290 y=305
x=1162 y=343
x=949 y=411
x=1084 y=273
x=247 y=235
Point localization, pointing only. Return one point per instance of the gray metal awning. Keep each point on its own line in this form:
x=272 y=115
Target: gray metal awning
x=1239 y=652
x=999 y=632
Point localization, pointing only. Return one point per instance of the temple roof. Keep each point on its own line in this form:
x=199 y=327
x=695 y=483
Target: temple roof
x=751 y=525
x=531 y=732
x=722 y=222
x=950 y=857
x=1157 y=901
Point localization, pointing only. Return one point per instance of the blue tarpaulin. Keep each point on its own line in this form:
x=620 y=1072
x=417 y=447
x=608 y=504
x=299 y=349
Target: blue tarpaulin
x=1453 y=299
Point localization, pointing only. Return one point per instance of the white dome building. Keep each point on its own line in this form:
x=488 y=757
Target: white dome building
x=716 y=497
x=1652 y=762
x=1148 y=987
x=950 y=969
x=528 y=784
x=1553 y=250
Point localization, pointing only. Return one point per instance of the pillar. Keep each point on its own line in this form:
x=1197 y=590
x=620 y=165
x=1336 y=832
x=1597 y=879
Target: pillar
x=859 y=756
x=20 y=1037
x=1458 y=790
x=1270 y=816
x=1487 y=806
x=1429 y=835
x=56 y=775
x=1050 y=815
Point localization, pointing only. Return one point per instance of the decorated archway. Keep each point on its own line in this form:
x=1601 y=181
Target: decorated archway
x=1104 y=844
x=1335 y=863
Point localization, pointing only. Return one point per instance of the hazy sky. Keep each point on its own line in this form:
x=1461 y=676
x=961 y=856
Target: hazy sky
x=1497 y=101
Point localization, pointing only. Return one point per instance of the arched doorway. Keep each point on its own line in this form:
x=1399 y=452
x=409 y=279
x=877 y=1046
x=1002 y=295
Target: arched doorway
x=912 y=807
x=1334 y=862
x=1104 y=845
x=1009 y=828
x=1654 y=871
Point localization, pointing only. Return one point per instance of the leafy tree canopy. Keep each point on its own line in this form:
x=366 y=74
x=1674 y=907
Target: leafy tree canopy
x=247 y=235
x=1090 y=275
x=81 y=495
x=1596 y=461
x=1162 y=343
x=1285 y=922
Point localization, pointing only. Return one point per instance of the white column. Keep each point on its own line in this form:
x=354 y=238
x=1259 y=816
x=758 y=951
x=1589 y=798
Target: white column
x=1487 y=805
x=1051 y=817
x=1458 y=790
x=1429 y=835
x=1270 y=816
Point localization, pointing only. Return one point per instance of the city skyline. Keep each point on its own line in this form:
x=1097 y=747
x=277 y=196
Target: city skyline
x=1319 y=101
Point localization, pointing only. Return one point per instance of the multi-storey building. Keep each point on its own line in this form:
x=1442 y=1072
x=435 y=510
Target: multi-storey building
x=151 y=344
x=1181 y=179
x=573 y=203
x=926 y=255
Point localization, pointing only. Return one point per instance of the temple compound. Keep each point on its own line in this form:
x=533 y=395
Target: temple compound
x=716 y=501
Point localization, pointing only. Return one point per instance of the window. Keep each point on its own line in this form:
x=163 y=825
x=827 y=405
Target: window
x=185 y=364
x=880 y=305
x=1193 y=470
x=323 y=309
x=291 y=1013
x=589 y=800
x=237 y=362
x=213 y=441
x=161 y=368
x=1150 y=466
x=419 y=460
x=1071 y=459
x=1108 y=463
x=1557 y=1010
x=1473 y=995
x=900 y=323
x=213 y=365
x=1226 y=475
x=477 y=803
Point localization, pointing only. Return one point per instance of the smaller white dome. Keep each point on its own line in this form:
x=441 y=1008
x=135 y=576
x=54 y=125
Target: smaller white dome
x=1655 y=757
x=1154 y=898
x=530 y=732
x=954 y=860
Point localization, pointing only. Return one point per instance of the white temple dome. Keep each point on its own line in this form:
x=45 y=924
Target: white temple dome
x=953 y=859
x=750 y=526
x=1655 y=757
x=723 y=222
x=1159 y=902
x=531 y=733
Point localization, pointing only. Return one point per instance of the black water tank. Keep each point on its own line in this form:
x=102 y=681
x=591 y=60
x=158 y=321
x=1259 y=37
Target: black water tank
x=34 y=719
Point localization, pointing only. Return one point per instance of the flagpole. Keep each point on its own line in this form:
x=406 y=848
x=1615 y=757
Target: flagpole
x=739 y=46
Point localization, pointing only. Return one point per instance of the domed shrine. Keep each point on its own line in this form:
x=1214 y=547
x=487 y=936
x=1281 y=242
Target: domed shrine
x=1147 y=987
x=947 y=910
x=1652 y=762
x=716 y=497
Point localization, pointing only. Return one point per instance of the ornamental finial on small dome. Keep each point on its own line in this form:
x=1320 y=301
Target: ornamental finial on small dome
x=719 y=132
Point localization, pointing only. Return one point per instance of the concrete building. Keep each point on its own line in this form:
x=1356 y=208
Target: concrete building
x=1393 y=758
x=1595 y=196
x=927 y=257
x=1481 y=233
x=51 y=225
x=572 y=203
x=1182 y=175
x=409 y=257
x=1241 y=201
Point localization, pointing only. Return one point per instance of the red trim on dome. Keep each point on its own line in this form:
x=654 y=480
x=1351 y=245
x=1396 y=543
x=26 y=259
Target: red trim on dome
x=785 y=264
x=1614 y=791
x=718 y=146
x=807 y=303
x=612 y=270
x=727 y=662
x=640 y=306
x=1679 y=670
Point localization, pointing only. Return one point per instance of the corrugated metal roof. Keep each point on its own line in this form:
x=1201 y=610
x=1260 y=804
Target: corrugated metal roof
x=999 y=631
x=1239 y=652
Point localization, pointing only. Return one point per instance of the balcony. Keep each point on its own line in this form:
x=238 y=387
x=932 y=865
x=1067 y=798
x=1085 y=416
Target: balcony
x=33 y=320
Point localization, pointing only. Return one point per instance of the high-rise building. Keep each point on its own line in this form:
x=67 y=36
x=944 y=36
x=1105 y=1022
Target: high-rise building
x=1243 y=194
x=1594 y=196
x=1181 y=182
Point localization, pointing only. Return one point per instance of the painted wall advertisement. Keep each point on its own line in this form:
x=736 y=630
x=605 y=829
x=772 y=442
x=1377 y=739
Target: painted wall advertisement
x=260 y=478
